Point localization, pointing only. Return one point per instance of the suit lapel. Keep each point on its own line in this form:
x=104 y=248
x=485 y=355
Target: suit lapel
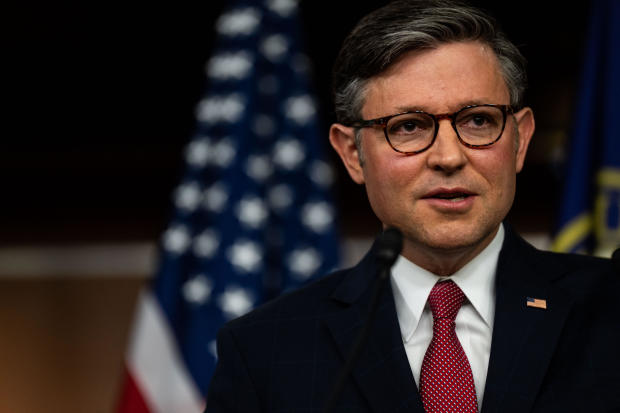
x=524 y=338
x=382 y=371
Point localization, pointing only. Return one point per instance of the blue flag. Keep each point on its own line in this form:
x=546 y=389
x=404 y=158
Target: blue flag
x=590 y=210
x=253 y=217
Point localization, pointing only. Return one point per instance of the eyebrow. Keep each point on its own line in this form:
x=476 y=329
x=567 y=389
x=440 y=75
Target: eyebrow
x=461 y=105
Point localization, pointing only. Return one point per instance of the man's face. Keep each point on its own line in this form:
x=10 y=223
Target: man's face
x=410 y=191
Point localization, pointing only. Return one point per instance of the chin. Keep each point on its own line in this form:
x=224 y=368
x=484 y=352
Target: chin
x=451 y=243
x=456 y=236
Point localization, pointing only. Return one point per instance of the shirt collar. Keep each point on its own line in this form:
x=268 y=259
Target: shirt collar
x=412 y=284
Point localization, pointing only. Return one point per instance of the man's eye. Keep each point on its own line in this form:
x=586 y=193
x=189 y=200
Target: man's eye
x=407 y=127
x=479 y=120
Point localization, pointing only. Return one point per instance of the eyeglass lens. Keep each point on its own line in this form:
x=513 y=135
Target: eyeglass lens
x=480 y=125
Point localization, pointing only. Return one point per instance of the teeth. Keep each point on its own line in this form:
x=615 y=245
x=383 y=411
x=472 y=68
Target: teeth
x=457 y=199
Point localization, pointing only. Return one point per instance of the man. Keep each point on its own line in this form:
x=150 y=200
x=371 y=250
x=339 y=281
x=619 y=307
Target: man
x=429 y=101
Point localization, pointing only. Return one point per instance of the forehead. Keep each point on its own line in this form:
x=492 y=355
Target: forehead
x=438 y=80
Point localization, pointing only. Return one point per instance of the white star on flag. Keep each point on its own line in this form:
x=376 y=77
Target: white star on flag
x=274 y=47
x=235 y=301
x=283 y=7
x=206 y=244
x=197 y=290
x=280 y=197
x=239 y=22
x=321 y=174
x=259 y=167
x=317 y=216
x=197 y=152
x=230 y=66
x=188 y=196
x=288 y=153
x=304 y=262
x=176 y=239
x=300 y=109
x=215 y=198
x=252 y=212
x=245 y=256
x=227 y=108
x=224 y=153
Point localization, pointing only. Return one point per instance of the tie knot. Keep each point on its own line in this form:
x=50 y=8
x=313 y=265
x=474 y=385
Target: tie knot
x=445 y=300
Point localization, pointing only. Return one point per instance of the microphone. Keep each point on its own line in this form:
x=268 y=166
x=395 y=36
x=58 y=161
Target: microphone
x=387 y=248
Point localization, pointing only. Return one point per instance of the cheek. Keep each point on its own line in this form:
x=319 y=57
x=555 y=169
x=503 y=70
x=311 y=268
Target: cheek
x=497 y=169
x=389 y=182
x=495 y=163
x=385 y=167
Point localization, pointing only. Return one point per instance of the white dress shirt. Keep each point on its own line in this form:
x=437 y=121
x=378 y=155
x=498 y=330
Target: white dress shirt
x=412 y=285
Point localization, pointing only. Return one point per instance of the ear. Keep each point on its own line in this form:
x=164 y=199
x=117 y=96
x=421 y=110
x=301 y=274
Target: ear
x=342 y=139
x=526 y=126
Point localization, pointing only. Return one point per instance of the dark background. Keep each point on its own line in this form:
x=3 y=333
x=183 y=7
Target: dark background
x=99 y=100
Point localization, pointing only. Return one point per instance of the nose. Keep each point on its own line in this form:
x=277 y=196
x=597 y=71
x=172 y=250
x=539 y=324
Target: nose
x=447 y=153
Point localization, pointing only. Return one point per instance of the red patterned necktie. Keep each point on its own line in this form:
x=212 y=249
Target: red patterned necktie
x=446 y=381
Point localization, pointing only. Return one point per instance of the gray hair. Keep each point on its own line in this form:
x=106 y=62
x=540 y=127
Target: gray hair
x=384 y=35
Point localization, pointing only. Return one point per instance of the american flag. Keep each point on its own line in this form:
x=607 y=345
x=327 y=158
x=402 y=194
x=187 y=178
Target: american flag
x=253 y=217
x=536 y=303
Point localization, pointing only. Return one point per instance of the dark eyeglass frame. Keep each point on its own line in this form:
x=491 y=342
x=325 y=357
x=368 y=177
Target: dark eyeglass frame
x=383 y=121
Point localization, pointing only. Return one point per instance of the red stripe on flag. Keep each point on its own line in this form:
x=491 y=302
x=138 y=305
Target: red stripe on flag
x=131 y=400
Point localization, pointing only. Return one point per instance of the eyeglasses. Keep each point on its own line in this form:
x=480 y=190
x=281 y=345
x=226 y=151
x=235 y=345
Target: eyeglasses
x=476 y=126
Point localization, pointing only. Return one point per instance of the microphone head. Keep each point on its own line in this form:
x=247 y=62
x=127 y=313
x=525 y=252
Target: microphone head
x=389 y=245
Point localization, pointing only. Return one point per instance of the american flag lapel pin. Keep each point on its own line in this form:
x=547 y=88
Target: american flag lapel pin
x=536 y=302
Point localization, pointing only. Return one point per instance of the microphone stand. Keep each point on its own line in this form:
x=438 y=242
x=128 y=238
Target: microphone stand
x=390 y=246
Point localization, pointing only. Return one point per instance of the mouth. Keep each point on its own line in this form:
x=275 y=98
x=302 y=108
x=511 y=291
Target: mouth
x=449 y=195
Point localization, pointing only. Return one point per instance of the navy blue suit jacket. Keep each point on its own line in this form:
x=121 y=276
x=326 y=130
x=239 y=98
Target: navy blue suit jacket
x=286 y=355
